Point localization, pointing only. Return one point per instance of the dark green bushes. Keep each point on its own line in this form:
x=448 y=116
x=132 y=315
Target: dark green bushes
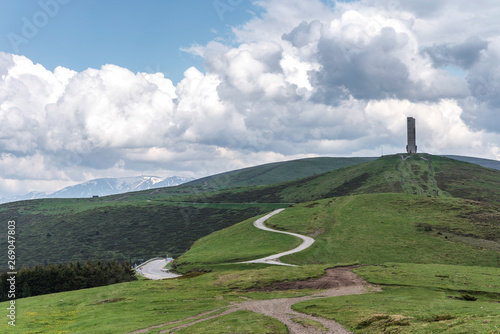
x=42 y=280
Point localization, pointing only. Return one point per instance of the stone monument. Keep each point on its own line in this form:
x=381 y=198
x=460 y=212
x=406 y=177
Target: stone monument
x=412 y=140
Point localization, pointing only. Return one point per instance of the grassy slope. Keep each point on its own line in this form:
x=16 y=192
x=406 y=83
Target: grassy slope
x=277 y=172
x=418 y=299
x=378 y=228
x=372 y=228
x=142 y=224
x=420 y=174
x=120 y=231
x=153 y=223
x=390 y=227
x=436 y=230
x=126 y=307
x=241 y=242
x=375 y=228
x=253 y=176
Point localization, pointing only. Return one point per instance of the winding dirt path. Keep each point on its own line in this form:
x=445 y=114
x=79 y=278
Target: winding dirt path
x=340 y=281
x=274 y=259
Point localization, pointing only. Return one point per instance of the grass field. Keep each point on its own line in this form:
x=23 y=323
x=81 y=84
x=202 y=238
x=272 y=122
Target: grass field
x=415 y=299
x=418 y=299
x=368 y=229
x=130 y=306
x=417 y=224
x=376 y=228
x=160 y=221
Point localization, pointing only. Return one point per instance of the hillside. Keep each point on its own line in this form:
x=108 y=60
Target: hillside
x=447 y=283
x=261 y=175
x=419 y=174
x=169 y=220
x=141 y=224
x=488 y=163
x=276 y=172
x=415 y=224
x=370 y=229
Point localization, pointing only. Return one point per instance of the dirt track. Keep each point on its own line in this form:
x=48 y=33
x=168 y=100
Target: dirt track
x=275 y=259
x=339 y=281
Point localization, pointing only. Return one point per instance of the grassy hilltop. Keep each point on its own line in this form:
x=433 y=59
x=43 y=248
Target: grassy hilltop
x=156 y=222
x=419 y=174
x=425 y=228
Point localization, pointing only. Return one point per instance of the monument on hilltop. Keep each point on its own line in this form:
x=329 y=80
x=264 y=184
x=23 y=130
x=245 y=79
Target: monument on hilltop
x=411 y=147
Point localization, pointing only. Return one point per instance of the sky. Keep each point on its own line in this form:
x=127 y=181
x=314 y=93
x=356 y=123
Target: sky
x=92 y=89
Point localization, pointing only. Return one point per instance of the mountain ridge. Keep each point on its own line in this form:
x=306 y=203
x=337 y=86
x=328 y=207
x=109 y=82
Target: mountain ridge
x=168 y=220
x=104 y=187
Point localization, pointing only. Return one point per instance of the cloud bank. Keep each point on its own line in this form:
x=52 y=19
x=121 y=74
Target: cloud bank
x=302 y=79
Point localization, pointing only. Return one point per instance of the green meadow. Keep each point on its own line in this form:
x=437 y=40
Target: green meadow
x=425 y=229
x=418 y=298
x=125 y=307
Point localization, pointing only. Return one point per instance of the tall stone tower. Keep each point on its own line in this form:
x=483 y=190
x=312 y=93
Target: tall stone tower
x=412 y=139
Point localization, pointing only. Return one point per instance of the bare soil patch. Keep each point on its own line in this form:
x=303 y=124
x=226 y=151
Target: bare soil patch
x=335 y=278
x=340 y=281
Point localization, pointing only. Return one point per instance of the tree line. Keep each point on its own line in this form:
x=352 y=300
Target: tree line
x=41 y=280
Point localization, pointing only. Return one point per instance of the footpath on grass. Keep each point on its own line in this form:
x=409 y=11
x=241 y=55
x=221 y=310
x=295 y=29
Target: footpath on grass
x=153 y=269
x=274 y=259
x=339 y=281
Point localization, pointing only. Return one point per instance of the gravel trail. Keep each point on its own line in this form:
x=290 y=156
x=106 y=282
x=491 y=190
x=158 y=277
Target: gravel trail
x=274 y=259
x=340 y=281
x=344 y=282
x=154 y=270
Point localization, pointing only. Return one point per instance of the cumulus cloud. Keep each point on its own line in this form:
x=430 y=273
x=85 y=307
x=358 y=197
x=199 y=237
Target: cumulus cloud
x=303 y=79
x=463 y=55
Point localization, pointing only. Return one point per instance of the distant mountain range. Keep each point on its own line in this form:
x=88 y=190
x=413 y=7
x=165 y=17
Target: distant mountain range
x=104 y=187
x=258 y=175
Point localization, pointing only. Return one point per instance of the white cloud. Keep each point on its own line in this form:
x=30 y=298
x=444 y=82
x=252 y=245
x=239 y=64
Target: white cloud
x=304 y=79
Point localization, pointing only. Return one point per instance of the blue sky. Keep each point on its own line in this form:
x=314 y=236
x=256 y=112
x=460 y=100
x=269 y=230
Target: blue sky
x=143 y=36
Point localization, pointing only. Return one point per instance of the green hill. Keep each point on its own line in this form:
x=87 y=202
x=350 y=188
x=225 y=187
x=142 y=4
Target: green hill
x=369 y=229
x=276 y=172
x=419 y=174
x=258 y=175
x=152 y=223
x=425 y=228
x=142 y=224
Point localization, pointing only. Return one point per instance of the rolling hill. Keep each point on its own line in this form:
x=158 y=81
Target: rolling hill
x=168 y=220
x=369 y=228
x=142 y=224
x=425 y=228
x=419 y=174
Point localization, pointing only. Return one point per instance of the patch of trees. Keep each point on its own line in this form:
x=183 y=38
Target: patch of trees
x=41 y=280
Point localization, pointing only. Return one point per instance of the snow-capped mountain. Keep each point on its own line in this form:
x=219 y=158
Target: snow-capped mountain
x=105 y=186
